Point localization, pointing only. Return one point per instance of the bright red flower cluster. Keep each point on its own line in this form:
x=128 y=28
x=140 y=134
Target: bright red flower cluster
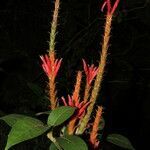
x=51 y=68
x=110 y=9
x=90 y=71
x=81 y=106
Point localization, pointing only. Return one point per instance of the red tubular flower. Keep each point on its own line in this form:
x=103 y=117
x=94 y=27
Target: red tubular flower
x=50 y=68
x=110 y=8
x=90 y=71
x=81 y=106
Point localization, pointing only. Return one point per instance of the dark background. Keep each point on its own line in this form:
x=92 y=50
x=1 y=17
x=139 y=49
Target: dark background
x=24 y=36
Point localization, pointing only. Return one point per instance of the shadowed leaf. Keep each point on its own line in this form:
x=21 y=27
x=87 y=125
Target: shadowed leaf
x=12 y=118
x=25 y=129
x=120 y=141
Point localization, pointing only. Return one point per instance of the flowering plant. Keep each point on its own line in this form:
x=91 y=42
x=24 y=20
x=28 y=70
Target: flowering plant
x=72 y=119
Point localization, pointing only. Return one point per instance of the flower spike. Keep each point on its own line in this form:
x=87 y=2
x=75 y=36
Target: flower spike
x=90 y=71
x=110 y=9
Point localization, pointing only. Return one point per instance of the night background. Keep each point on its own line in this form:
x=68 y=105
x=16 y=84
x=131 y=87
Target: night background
x=24 y=36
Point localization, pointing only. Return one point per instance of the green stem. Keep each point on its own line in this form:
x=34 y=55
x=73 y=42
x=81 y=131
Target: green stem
x=50 y=136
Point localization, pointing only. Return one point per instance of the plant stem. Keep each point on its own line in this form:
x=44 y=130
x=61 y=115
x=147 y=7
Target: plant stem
x=52 y=93
x=71 y=126
x=77 y=87
x=99 y=77
x=50 y=136
x=86 y=93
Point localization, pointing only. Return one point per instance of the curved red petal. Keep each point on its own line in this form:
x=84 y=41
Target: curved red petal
x=115 y=6
x=57 y=66
x=103 y=6
x=70 y=102
x=85 y=66
x=64 y=101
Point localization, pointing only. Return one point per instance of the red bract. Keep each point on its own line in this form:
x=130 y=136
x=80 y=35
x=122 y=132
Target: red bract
x=50 y=68
x=110 y=8
x=90 y=71
x=81 y=106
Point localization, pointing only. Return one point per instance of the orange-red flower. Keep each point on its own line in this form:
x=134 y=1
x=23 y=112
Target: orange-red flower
x=50 y=68
x=81 y=106
x=110 y=8
x=90 y=71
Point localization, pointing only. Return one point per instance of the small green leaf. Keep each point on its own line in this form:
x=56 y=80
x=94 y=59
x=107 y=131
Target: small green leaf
x=60 y=115
x=12 y=118
x=120 y=141
x=70 y=142
x=24 y=129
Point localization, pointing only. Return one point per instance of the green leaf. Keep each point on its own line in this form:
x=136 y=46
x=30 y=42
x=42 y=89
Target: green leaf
x=12 y=118
x=70 y=142
x=53 y=147
x=60 y=115
x=24 y=129
x=120 y=141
